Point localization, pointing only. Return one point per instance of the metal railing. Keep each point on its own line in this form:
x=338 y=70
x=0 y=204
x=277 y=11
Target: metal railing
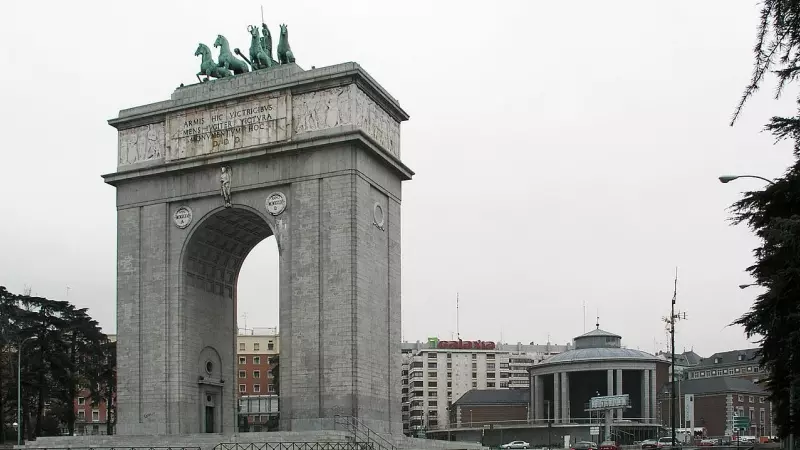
x=296 y=446
x=625 y=421
x=362 y=432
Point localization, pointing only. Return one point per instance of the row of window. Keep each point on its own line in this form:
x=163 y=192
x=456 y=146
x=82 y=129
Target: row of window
x=256 y=374
x=751 y=414
x=751 y=399
x=82 y=415
x=489 y=366
x=717 y=372
x=256 y=360
x=434 y=355
x=256 y=346
x=256 y=388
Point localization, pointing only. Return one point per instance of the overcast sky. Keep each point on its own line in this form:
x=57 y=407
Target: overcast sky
x=567 y=153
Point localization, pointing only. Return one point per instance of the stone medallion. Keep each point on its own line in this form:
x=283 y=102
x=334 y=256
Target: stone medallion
x=276 y=203
x=377 y=216
x=182 y=217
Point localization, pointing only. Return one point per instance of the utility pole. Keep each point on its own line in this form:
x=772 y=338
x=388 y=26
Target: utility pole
x=674 y=392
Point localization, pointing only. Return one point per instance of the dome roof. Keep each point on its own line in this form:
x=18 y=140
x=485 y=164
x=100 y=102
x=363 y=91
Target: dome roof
x=598 y=354
x=598 y=332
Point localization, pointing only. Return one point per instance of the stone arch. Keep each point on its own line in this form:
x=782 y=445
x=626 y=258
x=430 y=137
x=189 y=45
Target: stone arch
x=211 y=259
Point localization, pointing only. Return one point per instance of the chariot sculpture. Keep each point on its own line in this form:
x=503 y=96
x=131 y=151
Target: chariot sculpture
x=260 y=54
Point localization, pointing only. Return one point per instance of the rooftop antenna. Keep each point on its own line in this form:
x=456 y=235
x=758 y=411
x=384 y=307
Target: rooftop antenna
x=598 y=319
x=458 y=332
x=584 y=316
x=262 y=13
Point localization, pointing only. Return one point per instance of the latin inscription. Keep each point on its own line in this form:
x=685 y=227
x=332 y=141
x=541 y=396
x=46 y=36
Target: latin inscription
x=211 y=130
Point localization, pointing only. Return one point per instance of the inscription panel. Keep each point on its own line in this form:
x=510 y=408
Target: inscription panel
x=141 y=144
x=236 y=125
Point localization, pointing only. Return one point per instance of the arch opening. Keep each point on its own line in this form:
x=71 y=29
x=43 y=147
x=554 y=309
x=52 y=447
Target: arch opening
x=212 y=263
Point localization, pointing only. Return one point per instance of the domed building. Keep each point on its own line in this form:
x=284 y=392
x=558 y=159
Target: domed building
x=563 y=385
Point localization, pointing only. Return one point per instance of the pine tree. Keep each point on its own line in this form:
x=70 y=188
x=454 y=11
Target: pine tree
x=774 y=215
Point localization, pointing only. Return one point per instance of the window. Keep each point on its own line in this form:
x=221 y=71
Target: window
x=81 y=401
x=762 y=416
x=432 y=384
x=241 y=346
x=82 y=415
x=741 y=357
x=242 y=374
x=256 y=346
x=431 y=393
x=433 y=403
x=256 y=374
x=449 y=394
x=474 y=356
x=242 y=388
x=741 y=398
x=449 y=356
x=474 y=384
x=736 y=370
x=432 y=374
x=256 y=360
x=503 y=374
x=474 y=375
x=256 y=388
x=752 y=414
x=750 y=399
x=449 y=384
x=713 y=373
x=490 y=366
x=449 y=374
x=750 y=369
x=474 y=366
x=271 y=388
x=702 y=373
x=270 y=346
x=431 y=355
x=724 y=371
x=490 y=375
x=504 y=384
x=761 y=400
x=242 y=360
x=755 y=369
x=449 y=365
x=490 y=356
x=716 y=360
x=490 y=384
x=431 y=365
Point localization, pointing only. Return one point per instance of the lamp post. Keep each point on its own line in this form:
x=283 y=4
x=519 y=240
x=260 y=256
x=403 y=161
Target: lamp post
x=729 y=178
x=19 y=388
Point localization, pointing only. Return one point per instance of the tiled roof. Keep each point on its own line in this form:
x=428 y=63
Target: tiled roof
x=716 y=385
x=749 y=355
x=494 y=397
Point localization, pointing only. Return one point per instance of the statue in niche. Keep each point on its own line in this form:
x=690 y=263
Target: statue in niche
x=225 y=185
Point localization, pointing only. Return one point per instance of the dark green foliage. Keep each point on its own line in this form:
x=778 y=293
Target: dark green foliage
x=63 y=350
x=774 y=215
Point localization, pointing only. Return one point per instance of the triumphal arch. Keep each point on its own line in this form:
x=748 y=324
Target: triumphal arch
x=311 y=157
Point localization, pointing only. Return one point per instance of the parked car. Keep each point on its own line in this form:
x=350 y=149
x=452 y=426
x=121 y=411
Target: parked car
x=516 y=444
x=584 y=445
x=649 y=444
x=667 y=442
x=709 y=442
x=608 y=445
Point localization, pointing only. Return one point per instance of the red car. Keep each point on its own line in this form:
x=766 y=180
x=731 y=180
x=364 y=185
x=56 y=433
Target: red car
x=608 y=445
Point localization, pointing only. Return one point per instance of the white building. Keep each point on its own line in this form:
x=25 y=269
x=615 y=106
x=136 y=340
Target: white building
x=436 y=373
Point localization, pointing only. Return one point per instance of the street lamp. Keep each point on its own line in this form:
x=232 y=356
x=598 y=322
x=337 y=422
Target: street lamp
x=19 y=388
x=729 y=178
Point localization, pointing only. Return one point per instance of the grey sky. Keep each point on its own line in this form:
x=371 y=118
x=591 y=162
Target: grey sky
x=566 y=152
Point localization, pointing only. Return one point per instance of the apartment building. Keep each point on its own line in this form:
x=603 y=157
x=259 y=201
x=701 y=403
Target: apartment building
x=437 y=373
x=734 y=363
x=258 y=399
